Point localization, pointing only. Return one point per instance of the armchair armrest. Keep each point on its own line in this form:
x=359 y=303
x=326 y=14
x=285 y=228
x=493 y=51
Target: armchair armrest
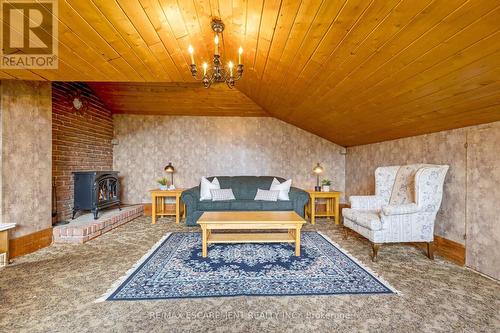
x=365 y=202
x=400 y=209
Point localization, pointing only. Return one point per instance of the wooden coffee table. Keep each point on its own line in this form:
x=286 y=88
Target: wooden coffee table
x=259 y=222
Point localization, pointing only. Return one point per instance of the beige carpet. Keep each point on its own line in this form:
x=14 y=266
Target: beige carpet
x=54 y=289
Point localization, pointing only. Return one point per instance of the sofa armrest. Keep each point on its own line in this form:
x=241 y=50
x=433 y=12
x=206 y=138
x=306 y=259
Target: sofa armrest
x=191 y=197
x=410 y=208
x=299 y=198
x=298 y=194
x=365 y=202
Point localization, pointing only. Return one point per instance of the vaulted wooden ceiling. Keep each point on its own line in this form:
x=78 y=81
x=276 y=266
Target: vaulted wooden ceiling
x=351 y=71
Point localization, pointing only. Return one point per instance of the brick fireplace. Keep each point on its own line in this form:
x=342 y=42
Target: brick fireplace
x=80 y=140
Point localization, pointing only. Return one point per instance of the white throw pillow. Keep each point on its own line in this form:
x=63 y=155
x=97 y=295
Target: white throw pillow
x=222 y=194
x=284 y=188
x=267 y=195
x=206 y=186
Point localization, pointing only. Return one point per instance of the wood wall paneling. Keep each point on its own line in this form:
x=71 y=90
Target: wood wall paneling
x=30 y=243
x=448 y=249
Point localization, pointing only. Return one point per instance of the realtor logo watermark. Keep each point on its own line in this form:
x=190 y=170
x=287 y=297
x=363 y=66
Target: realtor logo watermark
x=29 y=34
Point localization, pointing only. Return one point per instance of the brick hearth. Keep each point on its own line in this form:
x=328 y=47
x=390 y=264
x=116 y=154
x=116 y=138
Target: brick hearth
x=85 y=228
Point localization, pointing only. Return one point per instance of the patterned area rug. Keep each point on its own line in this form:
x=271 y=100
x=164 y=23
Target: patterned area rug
x=174 y=268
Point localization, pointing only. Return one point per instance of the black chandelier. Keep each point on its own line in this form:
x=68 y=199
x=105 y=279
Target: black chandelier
x=217 y=72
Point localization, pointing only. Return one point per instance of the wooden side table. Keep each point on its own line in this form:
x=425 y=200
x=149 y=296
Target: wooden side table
x=4 y=240
x=158 y=204
x=332 y=205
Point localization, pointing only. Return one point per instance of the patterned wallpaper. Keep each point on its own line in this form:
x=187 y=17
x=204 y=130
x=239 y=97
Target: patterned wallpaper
x=471 y=192
x=483 y=197
x=208 y=146
x=26 y=148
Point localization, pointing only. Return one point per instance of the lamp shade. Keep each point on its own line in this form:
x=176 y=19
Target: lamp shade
x=169 y=168
x=318 y=169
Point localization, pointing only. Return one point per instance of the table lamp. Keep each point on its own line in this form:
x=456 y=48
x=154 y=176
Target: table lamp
x=318 y=169
x=170 y=169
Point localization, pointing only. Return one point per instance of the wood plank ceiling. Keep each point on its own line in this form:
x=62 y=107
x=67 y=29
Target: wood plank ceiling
x=176 y=99
x=351 y=71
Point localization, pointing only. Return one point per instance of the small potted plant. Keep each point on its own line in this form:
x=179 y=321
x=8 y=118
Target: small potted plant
x=325 y=185
x=163 y=183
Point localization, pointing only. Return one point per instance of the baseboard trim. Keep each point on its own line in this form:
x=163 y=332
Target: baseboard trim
x=448 y=249
x=30 y=243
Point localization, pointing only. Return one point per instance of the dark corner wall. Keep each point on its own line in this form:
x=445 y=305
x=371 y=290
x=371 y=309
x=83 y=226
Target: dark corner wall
x=81 y=140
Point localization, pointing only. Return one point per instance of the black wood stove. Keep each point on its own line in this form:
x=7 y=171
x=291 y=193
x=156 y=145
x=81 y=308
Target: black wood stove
x=95 y=190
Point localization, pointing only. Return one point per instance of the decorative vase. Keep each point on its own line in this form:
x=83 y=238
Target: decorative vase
x=325 y=188
x=163 y=187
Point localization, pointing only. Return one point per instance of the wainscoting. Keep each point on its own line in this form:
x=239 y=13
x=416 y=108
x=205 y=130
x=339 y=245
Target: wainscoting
x=448 y=249
x=30 y=243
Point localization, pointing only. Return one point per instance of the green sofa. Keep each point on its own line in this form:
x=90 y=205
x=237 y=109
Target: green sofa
x=244 y=189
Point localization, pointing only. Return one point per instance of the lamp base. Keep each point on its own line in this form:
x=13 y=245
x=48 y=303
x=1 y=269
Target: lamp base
x=317 y=188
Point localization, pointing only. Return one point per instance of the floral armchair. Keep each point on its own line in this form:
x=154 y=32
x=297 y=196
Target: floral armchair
x=403 y=209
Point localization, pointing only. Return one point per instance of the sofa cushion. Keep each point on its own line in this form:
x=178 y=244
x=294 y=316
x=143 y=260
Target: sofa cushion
x=367 y=218
x=246 y=205
x=205 y=187
x=283 y=188
x=266 y=195
x=403 y=190
x=278 y=205
x=223 y=194
x=245 y=187
x=215 y=205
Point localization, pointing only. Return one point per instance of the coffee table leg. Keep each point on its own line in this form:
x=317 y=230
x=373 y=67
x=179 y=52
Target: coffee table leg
x=204 y=249
x=297 y=242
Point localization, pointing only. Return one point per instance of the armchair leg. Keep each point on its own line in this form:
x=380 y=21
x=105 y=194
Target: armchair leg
x=375 y=248
x=430 y=250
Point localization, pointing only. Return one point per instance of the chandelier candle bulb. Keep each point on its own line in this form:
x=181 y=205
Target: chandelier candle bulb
x=240 y=52
x=205 y=69
x=191 y=51
x=230 y=65
x=216 y=41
